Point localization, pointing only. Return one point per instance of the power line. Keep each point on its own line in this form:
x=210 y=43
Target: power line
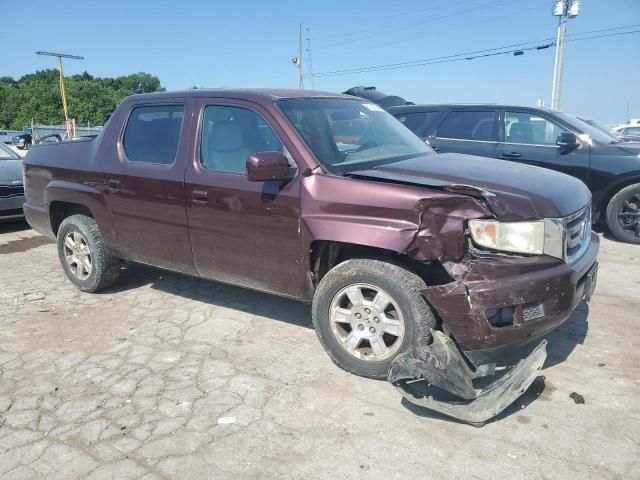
x=403 y=28
x=393 y=15
x=446 y=29
x=476 y=53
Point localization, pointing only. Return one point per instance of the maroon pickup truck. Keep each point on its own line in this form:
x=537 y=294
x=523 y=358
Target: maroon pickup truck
x=421 y=268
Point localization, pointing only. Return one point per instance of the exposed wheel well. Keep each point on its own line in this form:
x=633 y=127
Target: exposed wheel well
x=324 y=255
x=58 y=211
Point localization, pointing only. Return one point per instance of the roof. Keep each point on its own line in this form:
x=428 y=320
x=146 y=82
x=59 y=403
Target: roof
x=420 y=107
x=244 y=93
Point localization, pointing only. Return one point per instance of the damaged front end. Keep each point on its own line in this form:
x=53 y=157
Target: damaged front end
x=437 y=377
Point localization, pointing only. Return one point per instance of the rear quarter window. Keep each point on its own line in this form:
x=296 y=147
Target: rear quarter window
x=152 y=134
x=416 y=120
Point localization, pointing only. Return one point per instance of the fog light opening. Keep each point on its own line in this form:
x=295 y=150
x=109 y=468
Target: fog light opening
x=500 y=317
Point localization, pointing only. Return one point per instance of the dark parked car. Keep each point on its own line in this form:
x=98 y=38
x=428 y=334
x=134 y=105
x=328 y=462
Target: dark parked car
x=418 y=266
x=11 y=189
x=545 y=138
x=23 y=140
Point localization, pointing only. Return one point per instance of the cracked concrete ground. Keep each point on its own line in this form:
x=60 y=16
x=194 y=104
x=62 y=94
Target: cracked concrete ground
x=167 y=376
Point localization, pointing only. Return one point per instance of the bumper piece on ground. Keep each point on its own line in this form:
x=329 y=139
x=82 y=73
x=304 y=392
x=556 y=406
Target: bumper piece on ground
x=441 y=365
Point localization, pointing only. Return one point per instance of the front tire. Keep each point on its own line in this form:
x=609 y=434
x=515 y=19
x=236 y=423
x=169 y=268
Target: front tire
x=623 y=214
x=367 y=312
x=84 y=256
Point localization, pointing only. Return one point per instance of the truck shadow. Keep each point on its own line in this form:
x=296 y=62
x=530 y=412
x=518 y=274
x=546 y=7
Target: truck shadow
x=214 y=293
x=563 y=340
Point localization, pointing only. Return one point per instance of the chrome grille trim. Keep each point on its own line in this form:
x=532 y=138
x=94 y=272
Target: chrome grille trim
x=568 y=238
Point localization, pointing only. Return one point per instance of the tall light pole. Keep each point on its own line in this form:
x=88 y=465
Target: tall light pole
x=63 y=91
x=564 y=10
x=297 y=60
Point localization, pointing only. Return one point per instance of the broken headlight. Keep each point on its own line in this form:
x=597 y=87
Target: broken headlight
x=516 y=237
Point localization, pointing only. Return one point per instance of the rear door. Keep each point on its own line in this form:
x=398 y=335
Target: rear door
x=243 y=233
x=530 y=137
x=145 y=189
x=469 y=131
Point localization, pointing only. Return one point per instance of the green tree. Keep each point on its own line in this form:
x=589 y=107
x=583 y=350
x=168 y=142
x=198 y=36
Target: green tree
x=91 y=99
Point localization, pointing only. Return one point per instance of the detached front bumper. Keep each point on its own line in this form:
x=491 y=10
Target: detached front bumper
x=498 y=303
x=437 y=377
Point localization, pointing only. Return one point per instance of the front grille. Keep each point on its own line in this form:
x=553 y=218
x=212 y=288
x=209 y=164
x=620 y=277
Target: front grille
x=577 y=229
x=11 y=191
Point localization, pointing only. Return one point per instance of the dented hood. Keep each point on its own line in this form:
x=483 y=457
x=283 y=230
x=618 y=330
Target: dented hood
x=513 y=191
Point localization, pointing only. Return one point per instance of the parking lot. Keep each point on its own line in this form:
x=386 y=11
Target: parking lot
x=166 y=376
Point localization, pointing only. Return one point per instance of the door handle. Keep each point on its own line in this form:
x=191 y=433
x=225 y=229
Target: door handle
x=199 y=197
x=511 y=155
x=114 y=185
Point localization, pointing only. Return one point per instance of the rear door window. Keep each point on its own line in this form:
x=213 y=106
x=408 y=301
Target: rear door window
x=152 y=134
x=469 y=125
x=416 y=120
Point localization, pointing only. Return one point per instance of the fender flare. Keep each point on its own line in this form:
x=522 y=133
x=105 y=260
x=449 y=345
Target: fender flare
x=82 y=194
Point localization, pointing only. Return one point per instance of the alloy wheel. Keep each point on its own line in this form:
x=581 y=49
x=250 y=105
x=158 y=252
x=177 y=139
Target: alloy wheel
x=77 y=255
x=367 y=322
x=629 y=215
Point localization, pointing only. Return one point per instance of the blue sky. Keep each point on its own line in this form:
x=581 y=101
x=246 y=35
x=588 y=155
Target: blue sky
x=250 y=43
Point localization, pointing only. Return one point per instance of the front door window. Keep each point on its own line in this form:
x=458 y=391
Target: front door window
x=529 y=129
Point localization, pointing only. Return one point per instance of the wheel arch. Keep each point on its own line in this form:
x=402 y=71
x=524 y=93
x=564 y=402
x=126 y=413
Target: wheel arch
x=63 y=198
x=603 y=203
x=326 y=254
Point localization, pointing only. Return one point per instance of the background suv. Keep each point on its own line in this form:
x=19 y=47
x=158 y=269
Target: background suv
x=546 y=138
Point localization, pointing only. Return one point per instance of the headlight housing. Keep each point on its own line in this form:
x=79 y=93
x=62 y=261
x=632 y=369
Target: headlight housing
x=515 y=237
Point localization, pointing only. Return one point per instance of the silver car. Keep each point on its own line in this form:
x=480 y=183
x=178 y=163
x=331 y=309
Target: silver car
x=6 y=136
x=11 y=187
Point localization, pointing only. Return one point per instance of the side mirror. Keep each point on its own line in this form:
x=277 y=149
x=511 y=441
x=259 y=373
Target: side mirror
x=567 y=140
x=265 y=166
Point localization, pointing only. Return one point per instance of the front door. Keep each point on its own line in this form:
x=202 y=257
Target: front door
x=243 y=233
x=531 y=138
x=145 y=190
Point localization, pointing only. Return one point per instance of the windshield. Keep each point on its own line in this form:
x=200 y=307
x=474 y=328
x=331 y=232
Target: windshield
x=584 y=127
x=347 y=135
x=7 y=154
x=603 y=128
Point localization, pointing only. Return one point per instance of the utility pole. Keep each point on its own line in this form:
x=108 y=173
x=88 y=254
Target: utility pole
x=63 y=91
x=308 y=49
x=564 y=10
x=297 y=60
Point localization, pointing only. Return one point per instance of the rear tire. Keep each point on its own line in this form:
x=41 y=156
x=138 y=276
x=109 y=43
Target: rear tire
x=399 y=319
x=623 y=214
x=84 y=256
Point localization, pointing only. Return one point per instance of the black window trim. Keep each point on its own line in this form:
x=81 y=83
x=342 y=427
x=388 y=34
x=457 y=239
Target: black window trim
x=132 y=107
x=218 y=103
